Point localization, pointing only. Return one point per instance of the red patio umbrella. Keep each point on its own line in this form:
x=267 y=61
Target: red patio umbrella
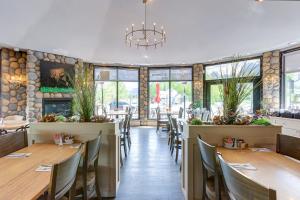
x=157 y=97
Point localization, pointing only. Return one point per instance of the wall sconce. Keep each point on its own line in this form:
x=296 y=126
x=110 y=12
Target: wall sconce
x=16 y=82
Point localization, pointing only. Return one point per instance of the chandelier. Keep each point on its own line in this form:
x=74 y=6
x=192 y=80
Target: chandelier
x=145 y=36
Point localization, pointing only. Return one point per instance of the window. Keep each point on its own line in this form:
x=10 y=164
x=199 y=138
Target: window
x=117 y=89
x=170 y=89
x=213 y=73
x=291 y=80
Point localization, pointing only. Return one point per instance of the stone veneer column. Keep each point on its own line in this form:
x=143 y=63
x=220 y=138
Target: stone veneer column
x=34 y=96
x=271 y=79
x=143 y=95
x=198 y=82
x=13 y=99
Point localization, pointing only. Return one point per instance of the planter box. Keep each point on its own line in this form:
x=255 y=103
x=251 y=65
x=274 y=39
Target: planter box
x=109 y=160
x=191 y=173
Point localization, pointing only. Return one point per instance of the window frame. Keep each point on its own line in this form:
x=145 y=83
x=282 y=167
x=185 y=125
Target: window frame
x=170 y=83
x=117 y=83
x=282 y=76
x=257 y=93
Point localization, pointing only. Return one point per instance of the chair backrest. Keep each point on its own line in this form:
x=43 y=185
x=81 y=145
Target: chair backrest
x=158 y=113
x=208 y=155
x=180 y=113
x=169 y=117
x=205 y=116
x=126 y=123
x=129 y=122
x=129 y=109
x=175 y=125
x=12 y=141
x=241 y=187
x=121 y=125
x=104 y=111
x=92 y=150
x=63 y=176
x=288 y=145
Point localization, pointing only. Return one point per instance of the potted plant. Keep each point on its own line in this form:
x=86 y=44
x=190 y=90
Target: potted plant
x=234 y=90
x=84 y=92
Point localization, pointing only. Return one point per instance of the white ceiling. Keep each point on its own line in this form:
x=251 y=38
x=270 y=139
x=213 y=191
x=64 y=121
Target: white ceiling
x=197 y=30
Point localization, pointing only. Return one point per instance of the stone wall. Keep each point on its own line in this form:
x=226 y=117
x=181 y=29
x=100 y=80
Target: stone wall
x=13 y=97
x=143 y=94
x=34 y=96
x=198 y=82
x=271 y=80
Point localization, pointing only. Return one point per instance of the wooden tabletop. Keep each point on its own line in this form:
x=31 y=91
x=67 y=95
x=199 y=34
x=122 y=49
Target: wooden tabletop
x=13 y=126
x=274 y=170
x=20 y=181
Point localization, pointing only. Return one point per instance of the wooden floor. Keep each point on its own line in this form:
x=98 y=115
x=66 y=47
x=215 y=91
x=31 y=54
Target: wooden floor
x=149 y=172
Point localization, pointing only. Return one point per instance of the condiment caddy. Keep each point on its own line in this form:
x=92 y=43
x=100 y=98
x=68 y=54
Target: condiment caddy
x=234 y=143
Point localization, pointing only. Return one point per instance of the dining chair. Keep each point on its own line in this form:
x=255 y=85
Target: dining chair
x=180 y=113
x=205 y=116
x=170 y=133
x=288 y=145
x=240 y=187
x=12 y=141
x=122 y=128
x=176 y=138
x=88 y=175
x=127 y=129
x=212 y=184
x=63 y=178
x=159 y=121
x=104 y=111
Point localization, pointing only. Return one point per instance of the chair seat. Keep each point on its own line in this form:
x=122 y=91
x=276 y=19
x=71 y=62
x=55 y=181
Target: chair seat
x=90 y=181
x=210 y=189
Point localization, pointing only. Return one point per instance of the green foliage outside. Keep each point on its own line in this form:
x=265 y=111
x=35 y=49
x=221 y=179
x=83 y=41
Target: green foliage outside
x=110 y=92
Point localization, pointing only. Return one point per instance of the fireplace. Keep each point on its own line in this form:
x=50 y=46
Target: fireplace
x=60 y=106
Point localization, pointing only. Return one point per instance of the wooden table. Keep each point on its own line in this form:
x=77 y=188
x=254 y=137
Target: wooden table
x=18 y=178
x=274 y=170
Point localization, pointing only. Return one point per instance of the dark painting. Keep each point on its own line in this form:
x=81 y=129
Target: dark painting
x=56 y=75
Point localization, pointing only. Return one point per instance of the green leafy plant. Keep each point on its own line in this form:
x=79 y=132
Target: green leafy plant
x=196 y=122
x=84 y=91
x=235 y=88
x=261 y=121
x=60 y=118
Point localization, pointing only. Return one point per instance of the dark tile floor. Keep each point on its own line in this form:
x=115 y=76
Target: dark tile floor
x=149 y=172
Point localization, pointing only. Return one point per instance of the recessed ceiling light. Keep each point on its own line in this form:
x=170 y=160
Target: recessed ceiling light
x=145 y=56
